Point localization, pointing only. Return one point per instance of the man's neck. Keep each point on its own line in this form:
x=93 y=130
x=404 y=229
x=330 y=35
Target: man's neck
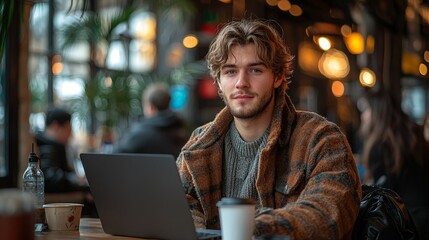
x=253 y=128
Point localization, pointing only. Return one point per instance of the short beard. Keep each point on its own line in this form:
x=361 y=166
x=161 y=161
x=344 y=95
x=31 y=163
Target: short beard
x=252 y=113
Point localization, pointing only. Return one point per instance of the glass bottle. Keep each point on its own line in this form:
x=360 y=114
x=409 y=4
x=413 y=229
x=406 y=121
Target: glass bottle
x=33 y=180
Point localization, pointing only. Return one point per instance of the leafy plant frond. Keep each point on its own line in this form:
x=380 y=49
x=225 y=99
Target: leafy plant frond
x=88 y=29
x=7 y=9
x=93 y=28
x=121 y=17
x=83 y=8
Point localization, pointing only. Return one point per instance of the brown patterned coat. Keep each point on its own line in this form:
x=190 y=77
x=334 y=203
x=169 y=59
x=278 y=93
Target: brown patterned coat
x=307 y=179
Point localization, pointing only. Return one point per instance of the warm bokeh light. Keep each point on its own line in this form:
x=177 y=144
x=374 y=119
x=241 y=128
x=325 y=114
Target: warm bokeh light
x=337 y=88
x=426 y=56
x=334 y=64
x=190 y=41
x=410 y=13
x=57 y=65
x=284 y=5
x=272 y=2
x=57 y=68
x=143 y=56
x=410 y=63
x=175 y=55
x=295 y=10
x=308 y=57
x=346 y=30
x=423 y=69
x=367 y=77
x=108 y=82
x=355 y=43
x=145 y=27
x=225 y=1
x=324 y=43
x=370 y=44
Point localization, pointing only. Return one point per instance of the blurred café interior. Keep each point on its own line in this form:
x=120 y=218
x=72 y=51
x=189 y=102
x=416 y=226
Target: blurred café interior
x=97 y=56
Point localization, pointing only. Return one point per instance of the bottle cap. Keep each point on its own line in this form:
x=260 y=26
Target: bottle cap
x=33 y=157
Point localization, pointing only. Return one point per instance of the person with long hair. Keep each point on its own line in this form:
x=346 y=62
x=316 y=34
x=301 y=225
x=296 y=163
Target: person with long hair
x=426 y=127
x=396 y=155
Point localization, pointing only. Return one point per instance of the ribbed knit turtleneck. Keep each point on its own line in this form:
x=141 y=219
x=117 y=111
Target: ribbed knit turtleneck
x=240 y=166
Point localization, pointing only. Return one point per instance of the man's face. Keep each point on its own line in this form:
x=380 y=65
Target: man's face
x=246 y=83
x=64 y=132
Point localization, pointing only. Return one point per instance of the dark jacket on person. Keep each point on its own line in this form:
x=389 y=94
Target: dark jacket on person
x=164 y=133
x=59 y=177
x=307 y=181
x=412 y=184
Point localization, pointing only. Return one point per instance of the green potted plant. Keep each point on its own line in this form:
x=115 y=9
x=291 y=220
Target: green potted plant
x=112 y=103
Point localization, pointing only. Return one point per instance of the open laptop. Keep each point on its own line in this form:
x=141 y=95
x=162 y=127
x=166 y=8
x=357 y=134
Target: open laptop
x=141 y=195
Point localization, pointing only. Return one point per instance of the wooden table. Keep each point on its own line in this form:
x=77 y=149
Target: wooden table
x=90 y=228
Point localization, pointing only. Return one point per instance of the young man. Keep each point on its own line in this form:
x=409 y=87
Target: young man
x=296 y=165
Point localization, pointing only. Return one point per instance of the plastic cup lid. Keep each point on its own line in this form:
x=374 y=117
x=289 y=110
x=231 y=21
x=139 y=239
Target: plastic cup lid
x=235 y=201
x=62 y=205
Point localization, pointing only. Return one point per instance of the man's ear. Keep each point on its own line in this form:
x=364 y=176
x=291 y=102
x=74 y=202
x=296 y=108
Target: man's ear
x=219 y=89
x=149 y=109
x=277 y=82
x=218 y=84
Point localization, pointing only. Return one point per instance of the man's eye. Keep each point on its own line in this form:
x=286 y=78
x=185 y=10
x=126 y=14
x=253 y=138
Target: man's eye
x=255 y=70
x=229 y=71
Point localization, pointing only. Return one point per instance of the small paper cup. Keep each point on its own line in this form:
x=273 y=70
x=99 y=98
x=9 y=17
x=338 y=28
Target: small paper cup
x=237 y=218
x=63 y=216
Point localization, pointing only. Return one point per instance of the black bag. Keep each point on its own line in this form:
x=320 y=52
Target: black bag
x=383 y=215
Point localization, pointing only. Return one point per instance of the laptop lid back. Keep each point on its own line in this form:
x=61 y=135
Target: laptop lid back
x=139 y=195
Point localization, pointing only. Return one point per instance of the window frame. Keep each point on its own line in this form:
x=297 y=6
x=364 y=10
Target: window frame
x=11 y=102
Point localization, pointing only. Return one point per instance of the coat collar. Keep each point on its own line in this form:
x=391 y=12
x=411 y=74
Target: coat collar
x=281 y=124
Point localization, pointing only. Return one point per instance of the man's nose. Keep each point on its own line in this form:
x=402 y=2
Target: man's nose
x=242 y=80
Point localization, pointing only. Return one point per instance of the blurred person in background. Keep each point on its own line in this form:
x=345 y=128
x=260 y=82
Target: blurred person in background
x=426 y=127
x=160 y=131
x=52 y=144
x=396 y=155
x=54 y=152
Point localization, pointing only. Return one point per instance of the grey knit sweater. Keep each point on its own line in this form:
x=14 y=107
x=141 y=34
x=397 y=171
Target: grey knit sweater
x=240 y=166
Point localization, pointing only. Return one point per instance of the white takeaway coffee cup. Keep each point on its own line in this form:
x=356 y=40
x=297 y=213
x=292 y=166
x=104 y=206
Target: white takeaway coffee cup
x=237 y=218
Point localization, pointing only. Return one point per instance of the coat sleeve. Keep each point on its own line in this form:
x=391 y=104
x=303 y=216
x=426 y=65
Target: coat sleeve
x=194 y=204
x=323 y=188
x=189 y=187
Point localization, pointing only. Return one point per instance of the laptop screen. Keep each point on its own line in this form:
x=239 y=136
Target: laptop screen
x=139 y=195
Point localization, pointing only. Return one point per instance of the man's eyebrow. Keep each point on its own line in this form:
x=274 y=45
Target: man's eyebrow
x=257 y=64
x=228 y=65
